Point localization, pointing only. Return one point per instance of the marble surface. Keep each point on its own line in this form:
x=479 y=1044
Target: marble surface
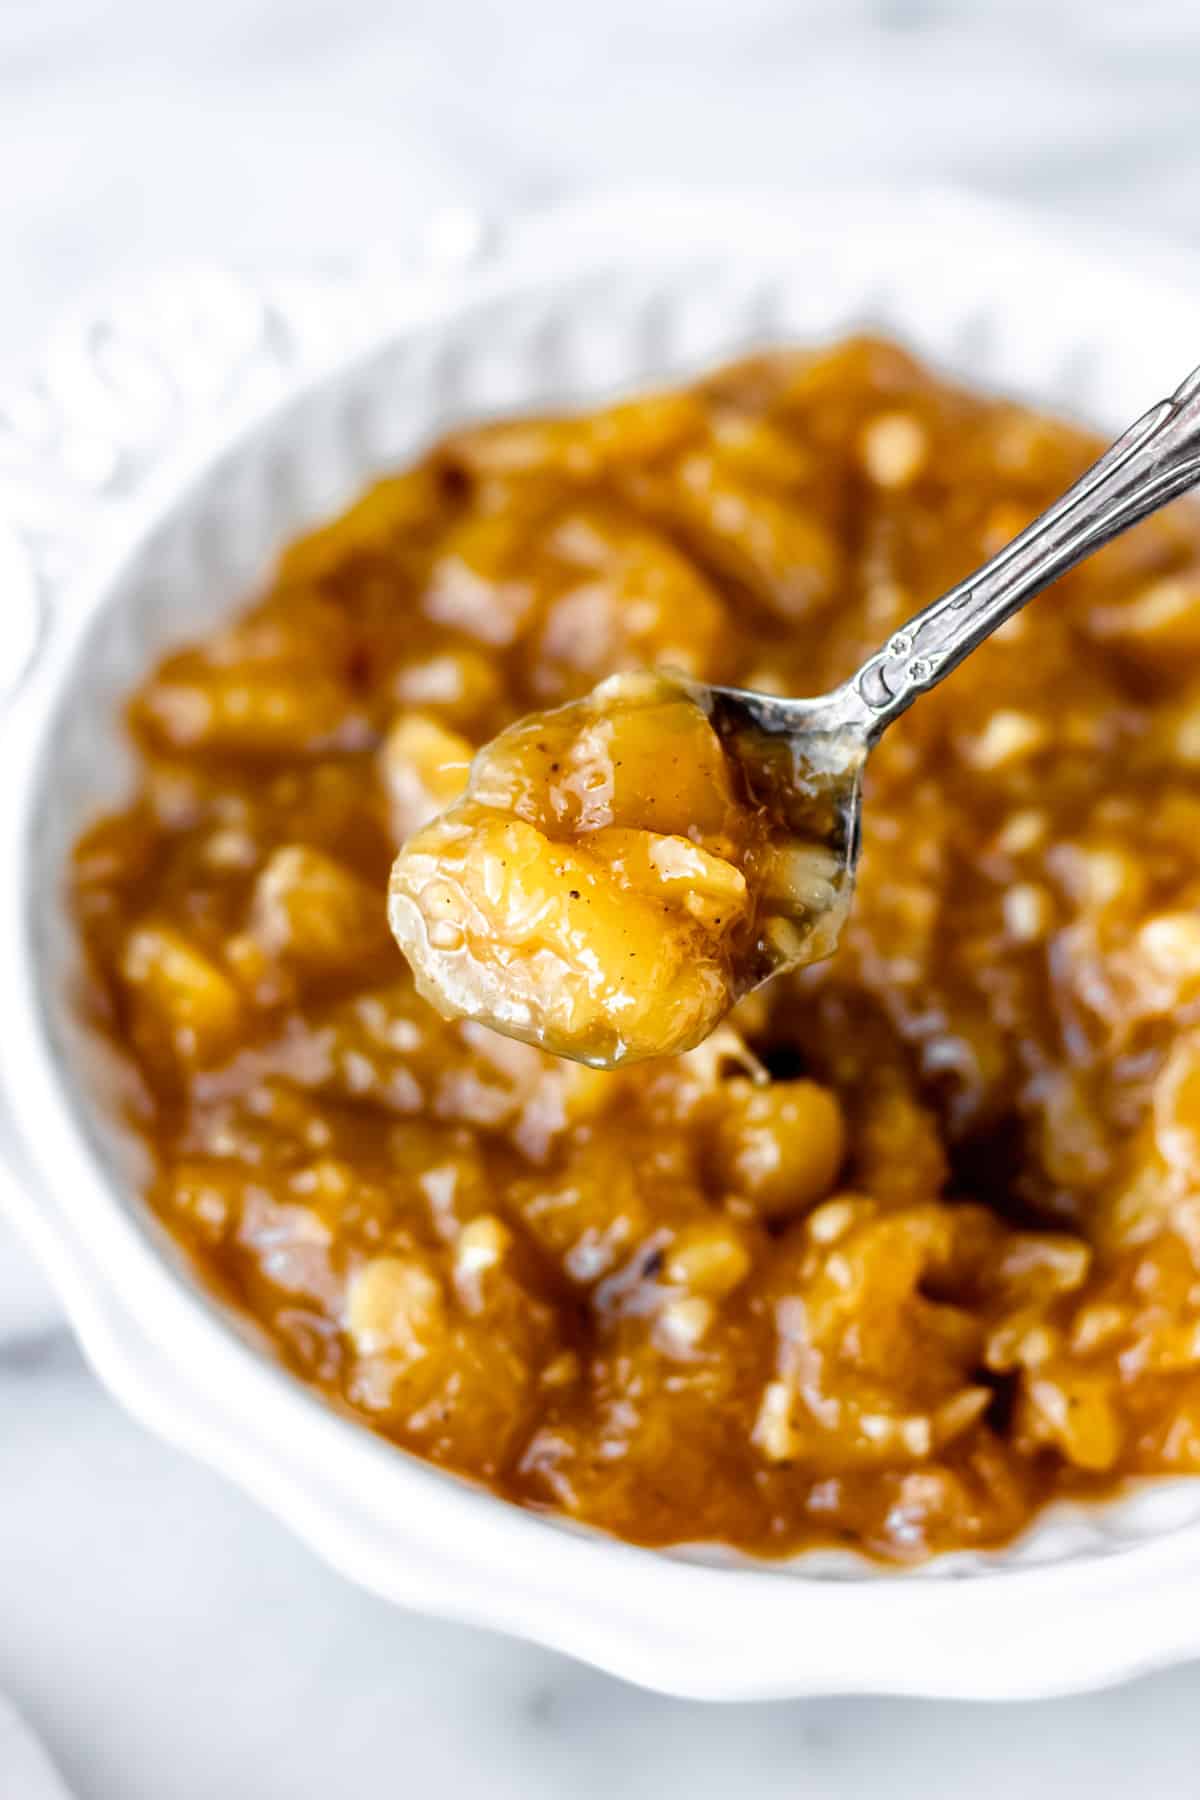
x=164 y=1636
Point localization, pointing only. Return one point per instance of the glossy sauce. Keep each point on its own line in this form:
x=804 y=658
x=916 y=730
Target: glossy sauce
x=611 y=882
x=943 y=1262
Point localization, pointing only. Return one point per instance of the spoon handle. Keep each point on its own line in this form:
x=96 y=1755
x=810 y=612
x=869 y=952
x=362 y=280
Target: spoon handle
x=1156 y=460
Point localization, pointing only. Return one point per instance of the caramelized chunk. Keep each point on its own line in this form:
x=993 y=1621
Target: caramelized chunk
x=313 y=913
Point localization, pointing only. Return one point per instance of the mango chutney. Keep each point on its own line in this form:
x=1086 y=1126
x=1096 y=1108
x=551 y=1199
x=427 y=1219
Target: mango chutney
x=610 y=883
x=910 y=1245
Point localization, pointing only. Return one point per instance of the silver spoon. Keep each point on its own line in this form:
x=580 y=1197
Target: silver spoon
x=800 y=764
x=804 y=759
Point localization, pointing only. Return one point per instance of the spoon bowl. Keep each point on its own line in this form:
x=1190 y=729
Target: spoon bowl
x=802 y=763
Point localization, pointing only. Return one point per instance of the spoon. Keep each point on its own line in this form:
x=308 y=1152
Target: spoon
x=832 y=734
x=521 y=964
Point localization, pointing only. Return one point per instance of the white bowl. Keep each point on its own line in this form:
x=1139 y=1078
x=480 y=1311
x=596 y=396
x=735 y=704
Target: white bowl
x=181 y=433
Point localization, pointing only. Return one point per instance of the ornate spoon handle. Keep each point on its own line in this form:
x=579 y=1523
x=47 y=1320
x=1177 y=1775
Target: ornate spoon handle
x=1155 y=461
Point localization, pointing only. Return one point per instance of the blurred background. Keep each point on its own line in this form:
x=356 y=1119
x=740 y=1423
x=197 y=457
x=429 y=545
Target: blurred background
x=138 y=133
x=164 y=1636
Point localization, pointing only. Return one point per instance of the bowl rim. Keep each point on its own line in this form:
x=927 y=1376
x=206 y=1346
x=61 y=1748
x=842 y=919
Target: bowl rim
x=389 y=1520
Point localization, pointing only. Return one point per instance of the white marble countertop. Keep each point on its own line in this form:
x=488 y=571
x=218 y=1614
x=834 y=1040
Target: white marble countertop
x=164 y=1636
